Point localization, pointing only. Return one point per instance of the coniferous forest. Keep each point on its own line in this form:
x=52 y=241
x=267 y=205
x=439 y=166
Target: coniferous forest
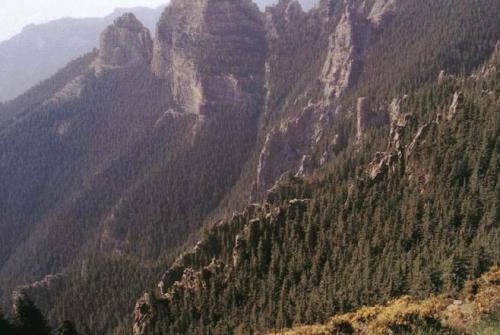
x=340 y=240
x=242 y=170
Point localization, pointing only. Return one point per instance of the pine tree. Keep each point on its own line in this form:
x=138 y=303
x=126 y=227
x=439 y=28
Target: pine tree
x=29 y=320
x=436 y=278
x=482 y=262
x=5 y=325
x=457 y=274
x=67 y=328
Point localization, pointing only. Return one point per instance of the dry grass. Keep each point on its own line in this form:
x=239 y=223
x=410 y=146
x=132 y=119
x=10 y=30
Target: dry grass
x=436 y=315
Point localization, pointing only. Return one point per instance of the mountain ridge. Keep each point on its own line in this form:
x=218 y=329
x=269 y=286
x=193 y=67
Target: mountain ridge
x=217 y=284
x=39 y=51
x=111 y=168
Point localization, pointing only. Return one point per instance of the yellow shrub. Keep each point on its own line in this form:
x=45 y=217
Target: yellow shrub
x=488 y=297
x=305 y=330
x=405 y=315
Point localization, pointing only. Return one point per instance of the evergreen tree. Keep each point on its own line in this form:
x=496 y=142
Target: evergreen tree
x=67 y=328
x=458 y=273
x=5 y=325
x=482 y=262
x=29 y=320
x=436 y=279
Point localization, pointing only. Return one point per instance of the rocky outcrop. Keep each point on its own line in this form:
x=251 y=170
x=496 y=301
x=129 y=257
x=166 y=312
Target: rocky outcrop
x=125 y=43
x=457 y=101
x=212 y=52
x=382 y=163
x=388 y=160
x=288 y=148
x=341 y=65
x=367 y=117
x=441 y=77
x=191 y=280
x=403 y=152
x=378 y=10
x=48 y=283
x=398 y=123
x=343 y=31
x=194 y=270
x=348 y=43
x=144 y=313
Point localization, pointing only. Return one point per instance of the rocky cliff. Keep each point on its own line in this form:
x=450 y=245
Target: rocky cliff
x=125 y=43
x=331 y=42
x=212 y=53
x=129 y=151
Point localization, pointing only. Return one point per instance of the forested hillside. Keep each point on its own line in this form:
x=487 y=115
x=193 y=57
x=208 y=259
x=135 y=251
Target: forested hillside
x=421 y=220
x=474 y=310
x=356 y=128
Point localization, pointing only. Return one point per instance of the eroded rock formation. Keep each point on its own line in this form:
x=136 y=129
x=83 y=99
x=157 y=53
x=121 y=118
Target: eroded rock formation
x=344 y=31
x=125 y=43
x=211 y=51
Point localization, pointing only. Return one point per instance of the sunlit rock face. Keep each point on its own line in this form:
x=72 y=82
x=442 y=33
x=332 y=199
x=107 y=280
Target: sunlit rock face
x=211 y=51
x=342 y=32
x=125 y=43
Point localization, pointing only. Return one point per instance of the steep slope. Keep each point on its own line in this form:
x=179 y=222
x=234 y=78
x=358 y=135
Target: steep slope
x=39 y=51
x=75 y=137
x=112 y=166
x=101 y=152
x=321 y=62
x=419 y=218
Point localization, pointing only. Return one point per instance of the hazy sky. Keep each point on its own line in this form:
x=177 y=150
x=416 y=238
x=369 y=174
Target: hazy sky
x=15 y=14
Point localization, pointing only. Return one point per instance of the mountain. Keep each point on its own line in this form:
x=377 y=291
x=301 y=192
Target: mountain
x=352 y=237
x=321 y=158
x=39 y=51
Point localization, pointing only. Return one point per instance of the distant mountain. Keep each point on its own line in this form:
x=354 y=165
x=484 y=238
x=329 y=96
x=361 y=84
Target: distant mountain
x=40 y=50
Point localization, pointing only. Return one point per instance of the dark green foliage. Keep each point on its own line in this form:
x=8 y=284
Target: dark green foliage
x=356 y=242
x=426 y=37
x=457 y=273
x=67 y=328
x=28 y=318
x=422 y=228
x=5 y=325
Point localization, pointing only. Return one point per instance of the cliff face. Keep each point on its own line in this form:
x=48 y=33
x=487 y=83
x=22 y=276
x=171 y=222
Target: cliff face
x=212 y=52
x=125 y=43
x=111 y=138
x=322 y=54
x=130 y=150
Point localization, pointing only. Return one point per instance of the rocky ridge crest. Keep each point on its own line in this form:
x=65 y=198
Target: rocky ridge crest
x=125 y=43
x=212 y=52
x=345 y=30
